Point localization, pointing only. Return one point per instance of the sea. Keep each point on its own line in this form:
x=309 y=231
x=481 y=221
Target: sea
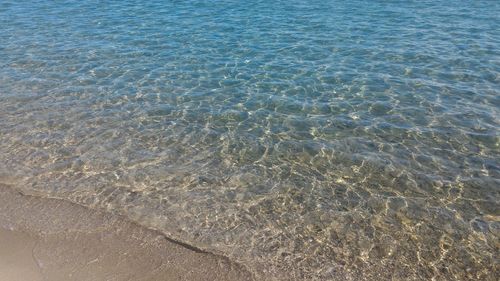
x=302 y=139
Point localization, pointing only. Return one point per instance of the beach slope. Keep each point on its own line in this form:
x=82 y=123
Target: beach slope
x=52 y=239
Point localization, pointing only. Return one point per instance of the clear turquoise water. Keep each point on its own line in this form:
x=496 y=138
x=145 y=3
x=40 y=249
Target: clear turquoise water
x=316 y=140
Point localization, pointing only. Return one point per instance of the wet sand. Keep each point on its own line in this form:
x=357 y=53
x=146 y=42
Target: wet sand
x=52 y=239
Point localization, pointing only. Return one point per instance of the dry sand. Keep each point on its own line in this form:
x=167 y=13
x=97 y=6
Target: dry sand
x=52 y=239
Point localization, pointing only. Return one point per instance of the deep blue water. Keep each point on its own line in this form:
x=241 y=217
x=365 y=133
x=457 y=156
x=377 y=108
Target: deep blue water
x=316 y=140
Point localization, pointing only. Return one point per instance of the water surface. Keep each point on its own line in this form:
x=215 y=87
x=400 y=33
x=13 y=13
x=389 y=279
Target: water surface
x=317 y=140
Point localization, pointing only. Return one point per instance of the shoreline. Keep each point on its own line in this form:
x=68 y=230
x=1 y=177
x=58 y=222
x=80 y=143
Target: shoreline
x=54 y=239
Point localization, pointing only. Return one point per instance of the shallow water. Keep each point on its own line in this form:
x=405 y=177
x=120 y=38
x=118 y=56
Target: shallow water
x=304 y=139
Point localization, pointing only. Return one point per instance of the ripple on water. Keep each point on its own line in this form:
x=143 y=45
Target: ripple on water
x=317 y=140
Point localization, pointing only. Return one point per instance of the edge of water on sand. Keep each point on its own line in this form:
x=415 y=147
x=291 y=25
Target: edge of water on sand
x=54 y=239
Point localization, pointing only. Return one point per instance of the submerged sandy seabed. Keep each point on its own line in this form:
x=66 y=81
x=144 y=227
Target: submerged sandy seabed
x=51 y=239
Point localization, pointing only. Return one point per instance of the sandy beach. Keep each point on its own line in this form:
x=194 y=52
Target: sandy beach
x=51 y=239
x=250 y=140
